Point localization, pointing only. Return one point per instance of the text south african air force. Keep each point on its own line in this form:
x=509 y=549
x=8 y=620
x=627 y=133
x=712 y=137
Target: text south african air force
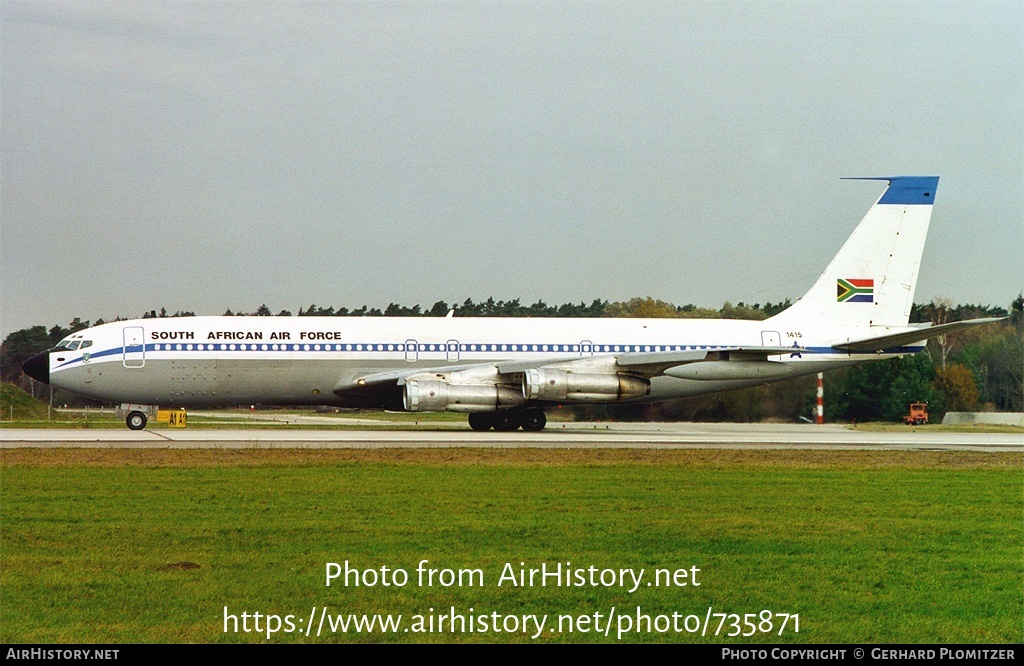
x=247 y=335
x=521 y=574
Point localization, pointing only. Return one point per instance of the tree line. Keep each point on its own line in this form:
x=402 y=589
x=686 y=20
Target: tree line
x=980 y=368
x=635 y=307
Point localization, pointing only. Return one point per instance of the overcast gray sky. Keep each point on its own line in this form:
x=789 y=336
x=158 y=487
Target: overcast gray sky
x=219 y=155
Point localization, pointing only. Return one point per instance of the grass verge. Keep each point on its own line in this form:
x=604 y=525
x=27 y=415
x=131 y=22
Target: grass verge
x=151 y=546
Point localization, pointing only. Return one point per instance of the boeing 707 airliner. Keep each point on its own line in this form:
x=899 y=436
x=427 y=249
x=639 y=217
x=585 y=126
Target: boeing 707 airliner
x=505 y=371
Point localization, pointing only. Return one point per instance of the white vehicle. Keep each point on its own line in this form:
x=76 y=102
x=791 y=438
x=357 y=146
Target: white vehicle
x=505 y=371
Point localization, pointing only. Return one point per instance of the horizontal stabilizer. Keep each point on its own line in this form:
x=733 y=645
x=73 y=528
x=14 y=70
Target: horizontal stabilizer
x=883 y=342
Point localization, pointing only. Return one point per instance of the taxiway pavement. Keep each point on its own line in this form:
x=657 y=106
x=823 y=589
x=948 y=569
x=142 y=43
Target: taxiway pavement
x=555 y=436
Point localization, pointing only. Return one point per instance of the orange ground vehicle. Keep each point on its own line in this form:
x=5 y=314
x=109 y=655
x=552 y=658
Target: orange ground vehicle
x=918 y=414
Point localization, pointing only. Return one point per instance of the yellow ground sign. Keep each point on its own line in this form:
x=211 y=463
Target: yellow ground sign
x=173 y=418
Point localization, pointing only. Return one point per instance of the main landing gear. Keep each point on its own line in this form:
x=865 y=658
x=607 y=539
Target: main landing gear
x=531 y=419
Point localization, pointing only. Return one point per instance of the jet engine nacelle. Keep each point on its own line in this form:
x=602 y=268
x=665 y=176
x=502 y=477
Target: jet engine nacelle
x=437 y=396
x=714 y=370
x=558 y=385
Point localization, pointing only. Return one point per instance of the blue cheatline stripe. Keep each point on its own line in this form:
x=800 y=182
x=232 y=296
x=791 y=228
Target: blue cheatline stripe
x=423 y=347
x=98 y=354
x=399 y=348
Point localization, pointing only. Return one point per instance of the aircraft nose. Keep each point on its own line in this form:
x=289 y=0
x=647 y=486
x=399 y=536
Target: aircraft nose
x=38 y=367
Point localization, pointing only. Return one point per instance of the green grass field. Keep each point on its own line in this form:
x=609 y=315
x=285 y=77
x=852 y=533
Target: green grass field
x=151 y=545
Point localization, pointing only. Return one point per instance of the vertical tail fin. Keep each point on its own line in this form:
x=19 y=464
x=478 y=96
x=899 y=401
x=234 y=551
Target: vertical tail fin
x=871 y=281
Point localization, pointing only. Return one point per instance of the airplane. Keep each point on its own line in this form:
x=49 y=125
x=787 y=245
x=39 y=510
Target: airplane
x=504 y=372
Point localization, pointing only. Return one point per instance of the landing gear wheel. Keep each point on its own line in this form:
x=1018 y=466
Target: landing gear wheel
x=506 y=420
x=481 y=421
x=136 y=421
x=534 y=419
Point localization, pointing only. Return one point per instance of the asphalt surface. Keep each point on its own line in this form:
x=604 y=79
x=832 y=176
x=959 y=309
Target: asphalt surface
x=555 y=436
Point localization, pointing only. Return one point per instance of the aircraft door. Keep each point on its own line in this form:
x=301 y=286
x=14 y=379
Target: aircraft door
x=772 y=339
x=453 y=350
x=586 y=348
x=412 y=350
x=134 y=347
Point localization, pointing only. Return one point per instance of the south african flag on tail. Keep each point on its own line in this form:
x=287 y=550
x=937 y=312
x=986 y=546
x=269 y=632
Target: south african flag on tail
x=855 y=290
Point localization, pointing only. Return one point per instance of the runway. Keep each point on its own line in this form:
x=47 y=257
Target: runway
x=556 y=436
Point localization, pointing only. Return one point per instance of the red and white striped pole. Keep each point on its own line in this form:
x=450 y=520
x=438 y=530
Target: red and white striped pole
x=819 y=418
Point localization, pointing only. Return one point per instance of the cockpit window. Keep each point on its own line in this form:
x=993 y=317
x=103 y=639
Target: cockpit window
x=74 y=343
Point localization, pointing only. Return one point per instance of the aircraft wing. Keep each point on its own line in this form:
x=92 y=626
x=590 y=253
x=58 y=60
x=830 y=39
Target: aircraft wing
x=643 y=364
x=365 y=381
x=651 y=364
x=883 y=342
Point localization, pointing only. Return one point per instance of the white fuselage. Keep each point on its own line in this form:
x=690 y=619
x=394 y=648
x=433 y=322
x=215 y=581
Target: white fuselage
x=208 y=361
